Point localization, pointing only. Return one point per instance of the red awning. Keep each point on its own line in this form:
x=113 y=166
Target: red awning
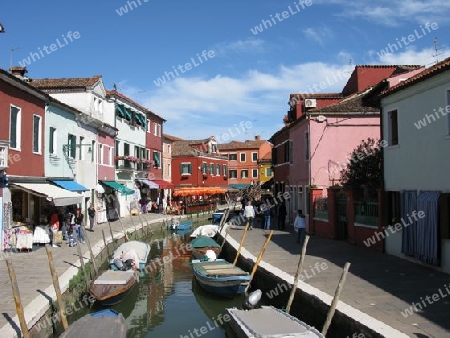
x=163 y=184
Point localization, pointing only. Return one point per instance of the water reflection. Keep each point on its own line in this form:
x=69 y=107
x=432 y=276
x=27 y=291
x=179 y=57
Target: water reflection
x=167 y=302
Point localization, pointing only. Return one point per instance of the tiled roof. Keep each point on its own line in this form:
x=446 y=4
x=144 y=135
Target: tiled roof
x=351 y=104
x=172 y=138
x=249 y=144
x=62 y=83
x=110 y=93
x=427 y=73
x=408 y=67
x=267 y=157
x=182 y=148
x=316 y=96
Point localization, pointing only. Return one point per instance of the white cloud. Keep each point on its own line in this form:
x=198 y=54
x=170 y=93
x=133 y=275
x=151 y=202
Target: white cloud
x=239 y=46
x=393 y=12
x=319 y=34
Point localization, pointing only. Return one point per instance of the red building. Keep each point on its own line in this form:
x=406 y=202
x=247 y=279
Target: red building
x=198 y=163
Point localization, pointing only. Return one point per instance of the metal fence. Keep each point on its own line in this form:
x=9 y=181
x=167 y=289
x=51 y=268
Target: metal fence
x=366 y=212
x=321 y=208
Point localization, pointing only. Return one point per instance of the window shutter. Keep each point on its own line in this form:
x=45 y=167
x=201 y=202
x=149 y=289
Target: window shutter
x=190 y=168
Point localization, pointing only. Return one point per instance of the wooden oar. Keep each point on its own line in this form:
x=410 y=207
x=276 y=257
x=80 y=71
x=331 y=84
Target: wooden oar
x=258 y=260
x=242 y=243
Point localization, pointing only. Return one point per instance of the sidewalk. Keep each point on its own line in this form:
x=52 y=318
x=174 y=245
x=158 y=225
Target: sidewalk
x=380 y=285
x=34 y=278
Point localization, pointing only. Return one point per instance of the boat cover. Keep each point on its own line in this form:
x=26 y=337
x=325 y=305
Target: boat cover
x=142 y=249
x=204 y=242
x=208 y=230
x=111 y=277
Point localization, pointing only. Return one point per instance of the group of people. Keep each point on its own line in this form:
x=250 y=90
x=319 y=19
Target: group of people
x=249 y=212
x=159 y=205
x=70 y=222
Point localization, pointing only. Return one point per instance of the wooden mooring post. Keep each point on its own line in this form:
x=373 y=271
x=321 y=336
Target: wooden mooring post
x=297 y=274
x=83 y=267
x=242 y=243
x=106 y=243
x=258 y=260
x=62 y=311
x=17 y=301
x=94 y=263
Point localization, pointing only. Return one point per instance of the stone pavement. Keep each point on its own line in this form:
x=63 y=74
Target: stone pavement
x=380 y=285
x=34 y=278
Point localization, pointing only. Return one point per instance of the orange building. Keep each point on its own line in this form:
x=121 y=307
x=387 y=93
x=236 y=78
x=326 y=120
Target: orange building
x=243 y=157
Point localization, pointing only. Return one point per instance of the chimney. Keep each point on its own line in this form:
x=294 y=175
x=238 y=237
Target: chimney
x=257 y=137
x=19 y=72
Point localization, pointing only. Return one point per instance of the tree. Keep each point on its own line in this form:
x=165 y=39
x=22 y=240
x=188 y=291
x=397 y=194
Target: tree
x=364 y=168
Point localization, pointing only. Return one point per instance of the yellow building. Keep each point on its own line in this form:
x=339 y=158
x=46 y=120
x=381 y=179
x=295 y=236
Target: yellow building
x=265 y=168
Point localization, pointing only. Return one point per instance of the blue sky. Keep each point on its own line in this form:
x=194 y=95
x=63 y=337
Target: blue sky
x=250 y=77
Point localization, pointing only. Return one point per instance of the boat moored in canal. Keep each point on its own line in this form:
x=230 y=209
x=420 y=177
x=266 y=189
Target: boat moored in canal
x=177 y=225
x=140 y=249
x=202 y=244
x=220 y=277
x=111 y=286
x=269 y=322
x=104 y=323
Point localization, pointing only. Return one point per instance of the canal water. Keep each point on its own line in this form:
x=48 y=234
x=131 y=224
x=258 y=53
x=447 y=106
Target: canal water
x=167 y=301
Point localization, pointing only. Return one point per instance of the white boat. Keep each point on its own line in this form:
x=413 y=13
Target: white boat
x=269 y=322
x=208 y=230
x=142 y=250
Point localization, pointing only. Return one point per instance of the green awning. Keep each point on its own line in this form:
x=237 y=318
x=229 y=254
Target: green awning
x=140 y=119
x=119 y=187
x=127 y=112
x=239 y=186
x=120 y=111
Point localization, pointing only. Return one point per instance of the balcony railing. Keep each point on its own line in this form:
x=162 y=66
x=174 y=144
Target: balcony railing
x=321 y=208
x=366 y=212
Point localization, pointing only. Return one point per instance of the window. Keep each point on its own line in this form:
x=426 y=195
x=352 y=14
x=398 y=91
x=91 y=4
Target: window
x=242 y=157
x=233 y=157
x=287 y=151
x=169 y=150
x=306 y=145
x=225 y=170
x=156 y=129
x=72 y=143
x=159 y=130
x=214 y=148
x=81 y=153
x=169 y=173
x=37 y=138
x=244 y=173
x=269 y=172
x=204 y=168
x=274 y=155
x=93 y=151
x=186 y=168
x=291 y=153
x=15 y=128
x=52 y=141
x=211 y=169
x=149 y=130
x=156 y=159
x=100 y=154
x=254 y=157
x=233 y=173
x=254 y=173
x=110 y=152
x=126 y=149
x=218 y=169
x=393 y=127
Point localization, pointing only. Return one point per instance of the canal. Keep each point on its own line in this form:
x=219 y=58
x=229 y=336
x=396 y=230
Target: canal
x=167 y=301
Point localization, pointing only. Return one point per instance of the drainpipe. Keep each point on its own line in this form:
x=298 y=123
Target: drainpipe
x=308 y=119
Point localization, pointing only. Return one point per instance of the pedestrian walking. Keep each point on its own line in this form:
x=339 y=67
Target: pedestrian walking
x=300 y=227
x=267 y=218
x=79 y=226
x=249 y=214
x=91 y=213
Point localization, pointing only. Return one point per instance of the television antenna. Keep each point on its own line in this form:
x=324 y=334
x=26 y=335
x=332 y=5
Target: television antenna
x=10 y=56
x=437 y=52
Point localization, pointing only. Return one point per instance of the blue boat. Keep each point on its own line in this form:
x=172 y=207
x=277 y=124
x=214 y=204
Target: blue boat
x=177 y=225
x=141 y=249
x=104 y=323
x=220 y=277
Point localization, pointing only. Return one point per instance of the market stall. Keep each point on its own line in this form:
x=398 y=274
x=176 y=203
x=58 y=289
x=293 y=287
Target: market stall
x=198 y=199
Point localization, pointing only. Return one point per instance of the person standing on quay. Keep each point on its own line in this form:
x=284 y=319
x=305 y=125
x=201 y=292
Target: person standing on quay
x=300 y=226
x=249 y=214
x=282 y=216
x=91 y=212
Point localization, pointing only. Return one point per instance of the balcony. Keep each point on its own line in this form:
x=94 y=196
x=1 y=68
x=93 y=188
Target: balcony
x=3 y=155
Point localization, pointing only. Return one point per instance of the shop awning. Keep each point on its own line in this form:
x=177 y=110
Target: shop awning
x=148 y=183
x=239 y=186
x=199 y=191
x=70 y=185
x=119 y=187
x=59 y=196
x=162 y=184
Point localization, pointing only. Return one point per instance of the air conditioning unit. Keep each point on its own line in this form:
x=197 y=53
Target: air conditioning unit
x=310 y=103
x=321 y=118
